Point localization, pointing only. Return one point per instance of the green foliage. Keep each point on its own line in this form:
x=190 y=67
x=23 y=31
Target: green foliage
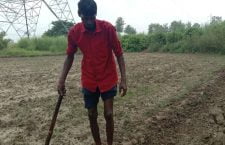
x=36 y=47
x=215 y=20
x=157 y=28
x=193 y=31
x=156 y=41
x=129 y=30
x=159 y=38
x=196 y=25
x=52 y=44
x=178 y=37
x=120 y=24
x=173 y=37
x=22 y=52
x=134 y=43
x=25 y=43
x=3 y=42
x=59 y=28
x=193 y=38
x=177 y=26
x=213 y=38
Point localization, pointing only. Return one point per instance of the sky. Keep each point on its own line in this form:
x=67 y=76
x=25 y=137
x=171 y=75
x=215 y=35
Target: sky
x=141 y=13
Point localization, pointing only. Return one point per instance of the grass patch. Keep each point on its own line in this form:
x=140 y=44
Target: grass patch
x=19 y=52
x=37 y=46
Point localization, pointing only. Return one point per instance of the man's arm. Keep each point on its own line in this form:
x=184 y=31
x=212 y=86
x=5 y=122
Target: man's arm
x=123 y=83
x=66 y=68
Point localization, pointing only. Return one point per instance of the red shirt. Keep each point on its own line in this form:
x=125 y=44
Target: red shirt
x=98 y=64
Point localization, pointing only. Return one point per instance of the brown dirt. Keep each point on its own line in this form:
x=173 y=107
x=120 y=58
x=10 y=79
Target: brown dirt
x=172 y=99
x=197 y=119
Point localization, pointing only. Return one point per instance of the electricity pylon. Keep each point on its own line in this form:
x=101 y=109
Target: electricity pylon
x=23 y=15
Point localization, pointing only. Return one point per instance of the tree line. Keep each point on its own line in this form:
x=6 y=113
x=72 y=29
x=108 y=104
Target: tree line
x=174 y=37
x=177 y=37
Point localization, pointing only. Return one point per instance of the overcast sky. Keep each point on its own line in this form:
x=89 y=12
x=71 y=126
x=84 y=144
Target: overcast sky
x=141 y=13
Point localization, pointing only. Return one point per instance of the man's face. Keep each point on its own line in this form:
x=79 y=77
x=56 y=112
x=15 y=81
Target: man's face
x=88 y=21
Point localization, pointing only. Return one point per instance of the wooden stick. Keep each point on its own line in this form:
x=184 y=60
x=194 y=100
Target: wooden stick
x=50 y=132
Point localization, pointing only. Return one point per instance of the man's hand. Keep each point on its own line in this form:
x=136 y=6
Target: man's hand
x=123 y=84
x=122 y=88
x=61 y=89
x=66 y=67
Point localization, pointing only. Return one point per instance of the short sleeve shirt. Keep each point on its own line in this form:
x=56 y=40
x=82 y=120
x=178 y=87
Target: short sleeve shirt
x=98 y=64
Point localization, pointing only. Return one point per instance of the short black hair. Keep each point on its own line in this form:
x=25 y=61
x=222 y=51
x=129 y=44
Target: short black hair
x=87 y=7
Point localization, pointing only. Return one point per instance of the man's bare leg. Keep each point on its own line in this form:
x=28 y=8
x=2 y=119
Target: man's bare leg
x=108 y=113
x=93 y=115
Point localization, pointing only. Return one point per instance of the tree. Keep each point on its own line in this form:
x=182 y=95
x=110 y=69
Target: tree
x=130 y=30
x=177 y=26
x=188 y=25
x=215 y=20
x=59 y=28
x=120 y=24
x=3 y=42
x=157 y=28
x=192 y=30
x=196 y=25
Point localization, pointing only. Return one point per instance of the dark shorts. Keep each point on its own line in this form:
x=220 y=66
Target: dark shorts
x=91 y=99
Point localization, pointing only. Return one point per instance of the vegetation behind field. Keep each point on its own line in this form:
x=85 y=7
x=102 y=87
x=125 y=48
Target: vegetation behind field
x=178 y=37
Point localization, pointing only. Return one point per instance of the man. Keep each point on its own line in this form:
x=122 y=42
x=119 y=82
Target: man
x=98 y=42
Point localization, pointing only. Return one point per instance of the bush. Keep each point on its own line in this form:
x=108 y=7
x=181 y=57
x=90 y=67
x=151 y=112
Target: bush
x=191 y=38
x=134 y=43
x=173 y=37
x=3 y=42
x=156 y=41
x=53 y=44
x=213 y=38
x=25 y=43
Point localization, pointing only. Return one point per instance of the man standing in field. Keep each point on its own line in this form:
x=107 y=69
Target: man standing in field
x=97 y=41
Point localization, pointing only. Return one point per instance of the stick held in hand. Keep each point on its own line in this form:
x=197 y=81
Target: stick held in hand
x=50 y=132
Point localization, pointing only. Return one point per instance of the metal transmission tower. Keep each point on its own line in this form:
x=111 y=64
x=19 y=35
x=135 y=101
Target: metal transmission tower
x=22 y=15
x=60 y=8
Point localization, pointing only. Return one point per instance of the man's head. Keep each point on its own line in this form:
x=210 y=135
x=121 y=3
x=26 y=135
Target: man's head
x=87 y=10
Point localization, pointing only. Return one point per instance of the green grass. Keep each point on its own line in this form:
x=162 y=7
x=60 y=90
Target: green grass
x=37 y=46
x=19 y=52
x=52 y=44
